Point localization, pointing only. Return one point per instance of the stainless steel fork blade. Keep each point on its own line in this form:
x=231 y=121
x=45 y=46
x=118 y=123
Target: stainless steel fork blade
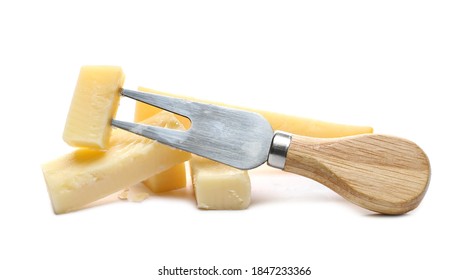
x=234 y=137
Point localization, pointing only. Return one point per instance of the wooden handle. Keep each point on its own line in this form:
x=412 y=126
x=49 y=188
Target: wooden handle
x=381 y=173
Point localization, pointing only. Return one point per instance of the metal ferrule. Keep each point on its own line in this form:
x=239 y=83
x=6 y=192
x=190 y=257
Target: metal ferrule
x=279 y=149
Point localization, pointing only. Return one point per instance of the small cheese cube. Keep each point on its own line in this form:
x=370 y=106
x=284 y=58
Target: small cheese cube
x=93 y=106
x=218 y=186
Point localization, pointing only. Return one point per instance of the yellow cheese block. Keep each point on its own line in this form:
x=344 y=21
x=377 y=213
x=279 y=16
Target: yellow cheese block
x=218 y=186
x=292 y=124
x=86 y=175
x=93 y=106
x=171 y=179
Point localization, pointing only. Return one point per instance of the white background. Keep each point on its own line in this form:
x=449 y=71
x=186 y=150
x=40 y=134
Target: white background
x=400 y=66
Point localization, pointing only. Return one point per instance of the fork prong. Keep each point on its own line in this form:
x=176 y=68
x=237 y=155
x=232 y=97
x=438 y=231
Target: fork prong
x=175 y=105
x=165 y=136
x=238 y=138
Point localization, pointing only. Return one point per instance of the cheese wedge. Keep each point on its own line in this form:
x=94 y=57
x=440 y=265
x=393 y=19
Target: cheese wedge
x=218 y=186
x=87 y=175
x=93 y=106
x=292 y=124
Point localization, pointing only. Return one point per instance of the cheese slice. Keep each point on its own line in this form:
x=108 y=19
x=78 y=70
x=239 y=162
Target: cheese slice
x=218 y=186
x=87 y=175
x=292 y=124
x=93 y=106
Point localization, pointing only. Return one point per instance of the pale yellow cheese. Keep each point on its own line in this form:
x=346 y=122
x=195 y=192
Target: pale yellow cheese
x=292 y=124
x=218 y=186
x=86 y=175
x=93 y=106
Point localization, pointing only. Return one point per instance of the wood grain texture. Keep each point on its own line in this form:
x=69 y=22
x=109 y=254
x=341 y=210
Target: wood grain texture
x=381 y=173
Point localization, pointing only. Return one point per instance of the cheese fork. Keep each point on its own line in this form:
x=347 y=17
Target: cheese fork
x=381 y=173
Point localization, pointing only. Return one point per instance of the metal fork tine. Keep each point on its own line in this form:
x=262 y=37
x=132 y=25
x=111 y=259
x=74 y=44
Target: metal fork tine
x=175 y=105
x=216 y=132
x=163 y=135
